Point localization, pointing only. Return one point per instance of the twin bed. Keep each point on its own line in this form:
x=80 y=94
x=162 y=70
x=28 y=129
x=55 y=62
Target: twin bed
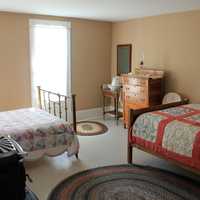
x=170 y=131
x=39 y=132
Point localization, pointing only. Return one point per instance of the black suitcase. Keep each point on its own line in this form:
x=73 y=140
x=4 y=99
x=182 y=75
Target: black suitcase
x=12 y=172
x=12 y=176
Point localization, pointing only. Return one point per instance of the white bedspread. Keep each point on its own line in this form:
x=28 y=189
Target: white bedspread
x=35 y=129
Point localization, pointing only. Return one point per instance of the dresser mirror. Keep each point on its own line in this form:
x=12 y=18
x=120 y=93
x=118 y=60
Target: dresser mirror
x=124 y=54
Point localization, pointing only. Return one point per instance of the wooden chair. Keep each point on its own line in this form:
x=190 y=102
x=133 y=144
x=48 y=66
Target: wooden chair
x=172 y=97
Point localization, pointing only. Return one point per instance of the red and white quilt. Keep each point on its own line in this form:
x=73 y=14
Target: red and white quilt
x=173 y=133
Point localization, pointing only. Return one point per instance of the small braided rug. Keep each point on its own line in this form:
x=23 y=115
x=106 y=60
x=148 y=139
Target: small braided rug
x=88 y=128
x=126 y=182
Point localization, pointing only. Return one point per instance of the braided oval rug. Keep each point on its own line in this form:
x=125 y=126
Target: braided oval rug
x=89 y=128
x=126 y=182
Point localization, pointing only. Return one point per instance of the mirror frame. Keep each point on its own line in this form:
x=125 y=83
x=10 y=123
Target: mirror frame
x=130 y=56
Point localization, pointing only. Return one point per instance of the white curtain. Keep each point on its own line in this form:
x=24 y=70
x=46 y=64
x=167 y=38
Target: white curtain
x=50 y=56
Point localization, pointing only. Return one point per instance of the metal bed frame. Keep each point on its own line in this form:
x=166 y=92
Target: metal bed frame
x=52 y=102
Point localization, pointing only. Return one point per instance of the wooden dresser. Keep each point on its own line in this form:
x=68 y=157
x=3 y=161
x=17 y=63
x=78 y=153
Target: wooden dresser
x=141 y=91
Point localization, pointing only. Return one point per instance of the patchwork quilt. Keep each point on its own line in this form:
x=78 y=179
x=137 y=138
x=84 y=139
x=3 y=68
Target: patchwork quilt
x=35 y=129
x=173 y=133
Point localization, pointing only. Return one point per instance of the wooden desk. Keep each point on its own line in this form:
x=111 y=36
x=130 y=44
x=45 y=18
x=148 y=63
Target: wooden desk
x=115 y=96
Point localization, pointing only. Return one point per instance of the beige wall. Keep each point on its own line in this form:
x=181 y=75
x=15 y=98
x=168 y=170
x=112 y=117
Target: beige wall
x=14 y=62
x=91 y=56
x=171 y=42
x=91 y=47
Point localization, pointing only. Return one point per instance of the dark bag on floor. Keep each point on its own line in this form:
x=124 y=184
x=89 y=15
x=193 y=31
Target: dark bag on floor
x=12 y=177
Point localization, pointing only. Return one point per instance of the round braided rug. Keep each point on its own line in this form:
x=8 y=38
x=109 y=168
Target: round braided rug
x=126 y=182
x=88 y=128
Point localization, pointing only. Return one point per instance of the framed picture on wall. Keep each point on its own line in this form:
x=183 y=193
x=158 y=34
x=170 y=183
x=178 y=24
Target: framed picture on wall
x=124 y=58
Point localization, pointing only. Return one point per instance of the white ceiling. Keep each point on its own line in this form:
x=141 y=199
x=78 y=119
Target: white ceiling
x=108 y=10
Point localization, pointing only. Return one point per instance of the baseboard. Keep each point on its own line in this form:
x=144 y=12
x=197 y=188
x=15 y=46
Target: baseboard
x=92 y=113
x=89 y=114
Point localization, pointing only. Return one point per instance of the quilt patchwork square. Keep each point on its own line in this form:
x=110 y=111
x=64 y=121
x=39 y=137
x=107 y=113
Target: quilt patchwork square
x=194 y=118
x=146 y=126
x=193 y=106
x=179 y=137
x=177 y=111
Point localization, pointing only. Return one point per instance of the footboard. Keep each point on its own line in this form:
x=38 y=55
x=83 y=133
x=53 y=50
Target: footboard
x=133 y=114
x=57 y=104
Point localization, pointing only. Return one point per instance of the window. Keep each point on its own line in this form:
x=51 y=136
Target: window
x=50 y=56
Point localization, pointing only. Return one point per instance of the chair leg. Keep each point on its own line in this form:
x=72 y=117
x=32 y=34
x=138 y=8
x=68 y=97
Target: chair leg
x=76 y=156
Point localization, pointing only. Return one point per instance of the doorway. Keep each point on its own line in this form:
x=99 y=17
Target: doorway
x=50 y=45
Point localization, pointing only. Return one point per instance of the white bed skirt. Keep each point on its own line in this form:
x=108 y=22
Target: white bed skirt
x=35 y=155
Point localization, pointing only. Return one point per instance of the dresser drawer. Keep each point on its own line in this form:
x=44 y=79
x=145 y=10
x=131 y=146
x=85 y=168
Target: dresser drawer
x=137 y=82
x=140 y=92
x=134 y=89
x=135 y=97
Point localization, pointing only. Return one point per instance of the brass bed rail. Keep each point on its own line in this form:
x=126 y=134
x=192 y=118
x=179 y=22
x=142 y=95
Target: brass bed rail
x=56 y=104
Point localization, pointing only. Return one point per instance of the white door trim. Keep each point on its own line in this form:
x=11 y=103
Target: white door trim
x=67 y=24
